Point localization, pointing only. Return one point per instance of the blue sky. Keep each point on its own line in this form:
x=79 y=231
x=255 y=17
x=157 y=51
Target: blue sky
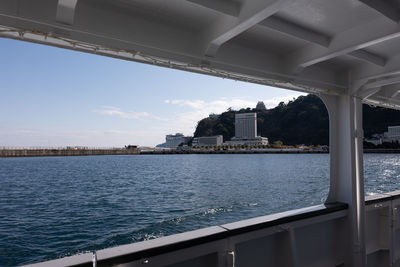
x=57 y=97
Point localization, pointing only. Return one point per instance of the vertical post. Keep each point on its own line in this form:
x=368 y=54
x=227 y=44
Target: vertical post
x=359 y=151
x=346 y=170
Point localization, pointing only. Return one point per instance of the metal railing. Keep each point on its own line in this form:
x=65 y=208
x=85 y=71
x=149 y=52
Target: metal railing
x=313 y=236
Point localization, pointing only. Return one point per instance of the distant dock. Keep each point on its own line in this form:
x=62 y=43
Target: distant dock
x=48 y=152
x=262 y=151
x=382 y=150
x=270 y=151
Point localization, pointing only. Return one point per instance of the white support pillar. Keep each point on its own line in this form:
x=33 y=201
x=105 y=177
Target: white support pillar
x=346 y=169
x=66 y=11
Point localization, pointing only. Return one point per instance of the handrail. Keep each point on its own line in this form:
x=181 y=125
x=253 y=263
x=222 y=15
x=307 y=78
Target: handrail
x=150 y=248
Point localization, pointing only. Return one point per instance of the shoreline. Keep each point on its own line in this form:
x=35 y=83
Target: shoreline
x=278 y=151
x=16 y=153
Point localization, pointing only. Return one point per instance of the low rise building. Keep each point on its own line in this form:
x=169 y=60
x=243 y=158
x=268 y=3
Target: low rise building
x=374 y=141
x=392 y=135
x=252 y=142
x=174 y=140
x=216 y=140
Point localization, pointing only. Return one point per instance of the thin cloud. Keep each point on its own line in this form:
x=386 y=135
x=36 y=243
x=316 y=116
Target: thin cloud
x=93 y=138
x=111 y=111
x=223 y=103
x=199 y=109
x=114 y=111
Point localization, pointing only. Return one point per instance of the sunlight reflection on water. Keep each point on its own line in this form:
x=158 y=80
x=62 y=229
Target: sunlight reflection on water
x=53 y=207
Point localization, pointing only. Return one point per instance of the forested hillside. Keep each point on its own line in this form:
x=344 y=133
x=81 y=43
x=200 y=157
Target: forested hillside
x=301 y=121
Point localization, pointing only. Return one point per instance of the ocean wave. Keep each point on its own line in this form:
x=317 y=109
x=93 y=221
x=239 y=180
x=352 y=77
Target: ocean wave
x=217 y=210
x=174 y=225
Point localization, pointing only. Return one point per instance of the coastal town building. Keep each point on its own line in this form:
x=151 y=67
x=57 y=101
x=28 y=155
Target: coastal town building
x=246 y=131
x=246 y=125
x=375 y=141
x=252 y=142
x=392 y=135
x=216 y=140
x=174 y=140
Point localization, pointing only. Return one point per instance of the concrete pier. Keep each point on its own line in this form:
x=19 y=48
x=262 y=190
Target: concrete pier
x=45 y=152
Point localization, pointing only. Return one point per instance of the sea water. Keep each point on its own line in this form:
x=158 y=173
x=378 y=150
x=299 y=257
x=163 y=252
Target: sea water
x=51 y=207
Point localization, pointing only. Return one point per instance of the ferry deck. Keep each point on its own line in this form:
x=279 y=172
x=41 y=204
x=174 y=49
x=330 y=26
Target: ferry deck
x=347 y=52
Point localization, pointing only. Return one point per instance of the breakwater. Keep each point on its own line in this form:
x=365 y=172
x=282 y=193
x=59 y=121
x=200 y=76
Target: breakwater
x=271 y=151
x=46 y=152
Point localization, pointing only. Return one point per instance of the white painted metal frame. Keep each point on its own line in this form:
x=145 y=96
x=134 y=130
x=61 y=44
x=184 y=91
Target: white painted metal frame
x=346 y=168
x=315 y=241
x=347 y=61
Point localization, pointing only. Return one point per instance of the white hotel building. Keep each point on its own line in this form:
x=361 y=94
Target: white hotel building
x=246 y=130
x=174 y=140
x=246 y=125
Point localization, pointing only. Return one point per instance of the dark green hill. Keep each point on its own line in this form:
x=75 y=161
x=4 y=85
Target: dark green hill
x=301 y=121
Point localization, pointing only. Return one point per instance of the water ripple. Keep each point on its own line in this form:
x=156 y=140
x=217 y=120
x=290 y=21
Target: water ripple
x=56 y=207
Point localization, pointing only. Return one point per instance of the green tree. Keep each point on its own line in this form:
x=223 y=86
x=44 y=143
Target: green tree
x=303 y=120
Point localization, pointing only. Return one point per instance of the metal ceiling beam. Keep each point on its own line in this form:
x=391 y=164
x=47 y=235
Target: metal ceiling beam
x=105 y=26
x=372 y=72
x=390 y=94
x=383 y=82
x=227 y=7
x=160 y=40
x=252 y=12
x=112 y=29
x=390 y=91
x=383 y=7
x=365 y=93
x=292 y=29
x=297 y=31
x=66 y=11
x=388 y=88
x=357 y=38
x=369 y=57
